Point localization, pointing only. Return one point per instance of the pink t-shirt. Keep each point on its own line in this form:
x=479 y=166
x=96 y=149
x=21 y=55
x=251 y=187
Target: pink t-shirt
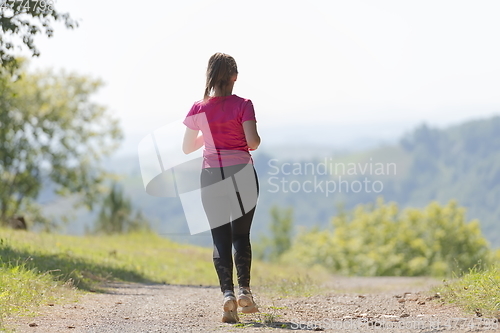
x=220 y=120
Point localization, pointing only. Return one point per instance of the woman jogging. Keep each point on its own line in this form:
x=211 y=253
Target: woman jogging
x=229 y=184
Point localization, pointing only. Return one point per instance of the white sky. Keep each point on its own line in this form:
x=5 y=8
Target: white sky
x=344 y=63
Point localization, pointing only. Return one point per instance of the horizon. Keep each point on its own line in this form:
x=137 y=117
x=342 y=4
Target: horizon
x=351 y=138
x=346 y=64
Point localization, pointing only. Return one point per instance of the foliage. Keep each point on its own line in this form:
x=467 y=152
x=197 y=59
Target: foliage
x=49 y=127
x=116 y=215
x=281 y=227
x=380 y=240
x=22 y=21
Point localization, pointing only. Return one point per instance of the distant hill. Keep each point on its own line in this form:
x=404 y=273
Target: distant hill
x=460 y=162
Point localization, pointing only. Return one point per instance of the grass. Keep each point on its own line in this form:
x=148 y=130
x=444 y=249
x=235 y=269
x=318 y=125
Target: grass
x=477 y=292
x=294 y=285
x=269 y=318
x=22 y=288
x=40 y=268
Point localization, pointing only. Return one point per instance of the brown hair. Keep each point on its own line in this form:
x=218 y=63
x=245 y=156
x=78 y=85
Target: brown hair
x=220 y=68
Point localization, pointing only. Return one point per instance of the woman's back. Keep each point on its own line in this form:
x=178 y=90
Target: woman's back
x=221 y=119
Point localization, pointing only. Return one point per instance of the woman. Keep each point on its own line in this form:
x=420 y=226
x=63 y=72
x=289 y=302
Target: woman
x=229 y=183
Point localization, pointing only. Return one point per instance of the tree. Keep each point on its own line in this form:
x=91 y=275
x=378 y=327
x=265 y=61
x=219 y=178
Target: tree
x=281 y=227
x=116 y=215
x=50 y=129
x=21 y=21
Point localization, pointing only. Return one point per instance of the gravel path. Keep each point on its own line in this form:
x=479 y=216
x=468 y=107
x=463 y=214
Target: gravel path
x=347 y=305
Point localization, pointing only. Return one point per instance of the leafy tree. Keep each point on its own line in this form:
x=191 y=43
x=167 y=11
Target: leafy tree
x=281 y=227
x=50 y=128
x=116 y=215
x=21 y=21
x=381 y=240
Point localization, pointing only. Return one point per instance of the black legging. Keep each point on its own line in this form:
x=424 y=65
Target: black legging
x=222 y=203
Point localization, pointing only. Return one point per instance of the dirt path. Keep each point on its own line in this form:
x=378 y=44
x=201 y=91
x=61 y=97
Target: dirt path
x=348 y=305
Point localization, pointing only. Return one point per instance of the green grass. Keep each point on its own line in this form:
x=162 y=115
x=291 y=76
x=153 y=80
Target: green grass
x=22 y=288
x=476 y=292
x=40 y=268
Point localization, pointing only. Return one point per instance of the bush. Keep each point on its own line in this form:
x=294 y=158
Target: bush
x=378 y=240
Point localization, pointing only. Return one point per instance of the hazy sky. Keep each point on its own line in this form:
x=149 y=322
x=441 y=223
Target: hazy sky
x=355 y=65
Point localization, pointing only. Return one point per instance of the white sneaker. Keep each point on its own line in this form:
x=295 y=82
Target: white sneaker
x=245 y=300
x=230 y=308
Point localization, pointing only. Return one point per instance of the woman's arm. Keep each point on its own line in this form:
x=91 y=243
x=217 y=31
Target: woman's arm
x=251 y=134
x=192 y=141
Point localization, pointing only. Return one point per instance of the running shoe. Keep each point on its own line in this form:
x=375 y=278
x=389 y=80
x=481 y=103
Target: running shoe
x=230 y=308
x=245 y=300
